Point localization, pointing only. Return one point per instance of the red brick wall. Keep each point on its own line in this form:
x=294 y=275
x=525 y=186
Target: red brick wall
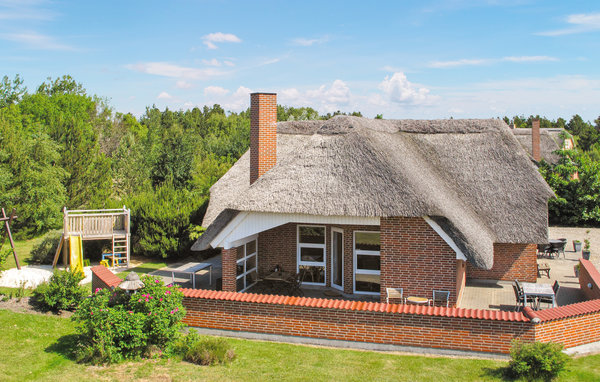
x=263 y=133
x=433 y=331
x=511 y=261
x=571 y=331
x=228 y=261
x=103 y=278
x=414 y=257
x=588 y=274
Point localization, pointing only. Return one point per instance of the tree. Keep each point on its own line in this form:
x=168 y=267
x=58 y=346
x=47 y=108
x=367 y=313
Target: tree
x=62 y=85
x=11 y=91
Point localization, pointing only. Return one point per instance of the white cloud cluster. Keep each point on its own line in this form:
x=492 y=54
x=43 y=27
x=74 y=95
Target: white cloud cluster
x=580 y=23
x=176 y=71
x=211 y=39
x=399 y=89
x=325 y=98
x=489 y=61
x=217 y=63
x=301 y=41
x=34 y=40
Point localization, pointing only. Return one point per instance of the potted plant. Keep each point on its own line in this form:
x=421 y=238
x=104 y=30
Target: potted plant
x=577 y=245
x=576 y=269
x=586 y=246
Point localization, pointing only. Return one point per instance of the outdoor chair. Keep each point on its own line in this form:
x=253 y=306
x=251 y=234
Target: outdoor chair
x=441 y=296
x=542 y=250
x=519 y=302
x=543 y=267
x=530 y=299
x=394 y=293
x=295 y=284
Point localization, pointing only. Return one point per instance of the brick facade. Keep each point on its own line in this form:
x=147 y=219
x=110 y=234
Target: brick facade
x=415 y=258
x=228 y=260
x=511 y=262
x=589 y=279
x=263 y=133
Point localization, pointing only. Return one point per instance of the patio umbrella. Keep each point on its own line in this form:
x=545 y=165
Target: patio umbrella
x=132 y=282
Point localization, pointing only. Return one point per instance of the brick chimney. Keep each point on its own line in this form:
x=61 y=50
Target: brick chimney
x=535 y=140
x=263 y=133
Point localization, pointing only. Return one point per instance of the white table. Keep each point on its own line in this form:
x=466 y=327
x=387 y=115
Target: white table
x=192 y=269
x=538 y=290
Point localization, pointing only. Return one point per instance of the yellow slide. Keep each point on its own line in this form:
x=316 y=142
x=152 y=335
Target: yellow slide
x=76 y=253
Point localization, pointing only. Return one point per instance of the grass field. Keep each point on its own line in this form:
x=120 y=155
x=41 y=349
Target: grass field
x=40 y=345
x=23 y=249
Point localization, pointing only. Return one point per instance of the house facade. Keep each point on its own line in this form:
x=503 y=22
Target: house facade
x=363 y=205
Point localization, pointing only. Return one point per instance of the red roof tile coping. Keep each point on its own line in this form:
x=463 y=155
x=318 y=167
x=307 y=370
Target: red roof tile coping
x=591 y=270
x=566 y=311
x=106 y=276
x=480 y=314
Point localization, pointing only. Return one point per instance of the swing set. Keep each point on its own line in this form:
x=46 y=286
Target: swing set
x=7 y=220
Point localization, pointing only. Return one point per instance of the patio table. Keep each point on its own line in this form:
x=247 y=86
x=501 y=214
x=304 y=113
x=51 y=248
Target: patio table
x=191 y=269
x=278 y=276
x=538 y=290
x=417 y=300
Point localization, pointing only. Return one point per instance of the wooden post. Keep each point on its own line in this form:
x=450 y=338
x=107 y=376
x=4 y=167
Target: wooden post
x=7 y=222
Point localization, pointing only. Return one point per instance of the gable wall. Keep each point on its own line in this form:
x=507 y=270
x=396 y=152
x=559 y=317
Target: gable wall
x=511 y=262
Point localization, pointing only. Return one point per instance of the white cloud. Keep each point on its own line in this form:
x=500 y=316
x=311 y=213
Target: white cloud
x=580 y=23
x=228 y=63
x=25 y=10
x=164 y=95
x=35 y=40
x=529 y=58
x=325 y=98
x=183 y=84
x=212 y=38
x=212 y=62
x=309 y=42
x=215 y=91
x=462 y=62
x=171 y=70
x=398 y=89
x=270 y=61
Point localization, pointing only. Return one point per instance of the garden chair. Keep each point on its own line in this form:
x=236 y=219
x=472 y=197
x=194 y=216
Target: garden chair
x=394 y=293
x=548 y=300
x=441 y=296
x=519 y=302
x=531 y=300
x=295 y=284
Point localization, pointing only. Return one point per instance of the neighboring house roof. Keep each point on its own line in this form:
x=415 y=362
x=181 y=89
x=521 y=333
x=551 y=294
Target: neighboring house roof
x=467 y=175
x=550 y=142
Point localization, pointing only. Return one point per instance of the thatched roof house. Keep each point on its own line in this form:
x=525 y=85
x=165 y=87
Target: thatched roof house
x=551 y=140
x=469 y=179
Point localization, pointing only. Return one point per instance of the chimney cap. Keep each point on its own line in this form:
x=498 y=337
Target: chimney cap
x=263 y=93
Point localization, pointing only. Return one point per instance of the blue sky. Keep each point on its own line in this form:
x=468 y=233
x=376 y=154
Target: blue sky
x=426 y=59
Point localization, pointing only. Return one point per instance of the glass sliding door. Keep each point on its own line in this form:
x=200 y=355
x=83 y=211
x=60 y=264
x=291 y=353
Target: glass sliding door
x=367 y=246
x=312 y=254
x=337 y=258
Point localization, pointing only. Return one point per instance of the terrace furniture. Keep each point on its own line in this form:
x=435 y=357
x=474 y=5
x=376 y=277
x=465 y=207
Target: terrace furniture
x=556 y=248
x=417 y=300
x=549 y=300
x=520 y=301
x=542 y=250
x=191 y=269
x=527 y=299
x=295 y=284
x=394 y=293
x=543 y=267
x=441 y=296
x=532 y=290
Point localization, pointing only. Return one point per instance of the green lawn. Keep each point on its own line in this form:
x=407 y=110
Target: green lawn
x=23 y=248
x=39 y=345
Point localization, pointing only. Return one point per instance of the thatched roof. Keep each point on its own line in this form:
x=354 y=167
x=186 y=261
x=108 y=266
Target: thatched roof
x=550 y=142
x=470 y=176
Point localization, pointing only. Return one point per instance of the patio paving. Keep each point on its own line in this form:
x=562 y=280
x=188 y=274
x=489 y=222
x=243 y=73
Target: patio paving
x=201 y=277
x=486 y=294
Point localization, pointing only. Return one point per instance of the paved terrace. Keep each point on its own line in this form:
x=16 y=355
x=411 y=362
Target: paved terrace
x=500 y=296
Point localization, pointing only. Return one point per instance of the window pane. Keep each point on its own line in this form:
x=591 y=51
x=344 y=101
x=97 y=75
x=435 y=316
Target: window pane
x=240 y=284
x=251 y=278
x=250 y=263
x=313 y=255
x=240 y=268
x=312 y=235
x=367 y=283
x=313 y=274
x=240 y=252
x=251 y=247
x=367 y=241
x=368 y=262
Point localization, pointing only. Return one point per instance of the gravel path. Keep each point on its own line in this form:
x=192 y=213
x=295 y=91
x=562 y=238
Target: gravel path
x=33 y=275
x=575 y=233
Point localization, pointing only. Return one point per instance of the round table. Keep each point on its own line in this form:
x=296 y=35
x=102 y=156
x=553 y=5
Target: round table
x=417 y=300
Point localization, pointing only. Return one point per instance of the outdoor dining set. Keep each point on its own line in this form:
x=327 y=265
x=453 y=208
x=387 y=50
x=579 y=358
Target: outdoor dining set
x=535 y=294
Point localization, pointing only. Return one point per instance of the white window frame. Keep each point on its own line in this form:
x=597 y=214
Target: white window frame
x=244 y=260
x=299 y=247
x=356 y=252
x=338 y=230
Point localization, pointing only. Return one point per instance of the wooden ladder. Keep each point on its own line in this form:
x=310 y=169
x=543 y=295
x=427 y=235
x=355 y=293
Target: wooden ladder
x=120 y=247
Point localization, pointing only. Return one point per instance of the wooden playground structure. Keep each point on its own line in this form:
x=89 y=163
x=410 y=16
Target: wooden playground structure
x=108 y=224
x=7 y=220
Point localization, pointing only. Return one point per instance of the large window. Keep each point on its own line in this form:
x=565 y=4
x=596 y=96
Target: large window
x=312 y=254
x=246 y=266
x=367 y=246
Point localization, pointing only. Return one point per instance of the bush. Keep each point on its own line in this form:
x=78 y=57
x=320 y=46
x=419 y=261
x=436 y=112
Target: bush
x=62 y=292
x=204 y=350
x=537 y=360
x=115 y=326
x=44 y=252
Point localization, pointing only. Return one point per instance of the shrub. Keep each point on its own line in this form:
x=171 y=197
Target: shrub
x=203 y=350
x=44 y=252
x=115 y=325
x=536 y=360
x=62 y=292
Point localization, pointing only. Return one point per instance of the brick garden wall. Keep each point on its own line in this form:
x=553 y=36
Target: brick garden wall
x=589 y=279
x=511 y=262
